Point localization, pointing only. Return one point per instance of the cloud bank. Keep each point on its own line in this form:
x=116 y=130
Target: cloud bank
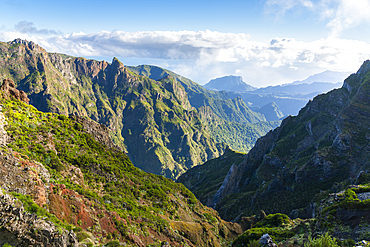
x=204 y=55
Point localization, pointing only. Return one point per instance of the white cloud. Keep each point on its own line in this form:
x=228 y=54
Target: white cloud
x=349 y=14
x=339 y=14
x=206 y=54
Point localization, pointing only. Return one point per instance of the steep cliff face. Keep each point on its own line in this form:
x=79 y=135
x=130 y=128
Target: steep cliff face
x=322 y=149
x=152 y=120
x=61 y=186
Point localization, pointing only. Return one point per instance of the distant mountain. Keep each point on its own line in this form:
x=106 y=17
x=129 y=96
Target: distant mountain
x=290 y=98
x=271 y=111
x=326 y=76
x=299 y=90
x=229 y=83
x=322 y=150
x=288 y=104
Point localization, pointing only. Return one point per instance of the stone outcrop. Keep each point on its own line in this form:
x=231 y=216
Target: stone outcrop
x=8 y=87
x=19 y=228
x=266 y=241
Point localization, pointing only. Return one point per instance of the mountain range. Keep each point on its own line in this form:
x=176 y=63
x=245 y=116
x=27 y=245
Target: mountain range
x=67 y=177
x=288 y=99
x=322 y=150
x=152 y=121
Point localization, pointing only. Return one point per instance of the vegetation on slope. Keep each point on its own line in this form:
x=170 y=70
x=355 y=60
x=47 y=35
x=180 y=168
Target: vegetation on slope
x=152 y=120
x=322 y=150
x=206 y=179
x=239 y=136
x=228 y=120
x=97 y=192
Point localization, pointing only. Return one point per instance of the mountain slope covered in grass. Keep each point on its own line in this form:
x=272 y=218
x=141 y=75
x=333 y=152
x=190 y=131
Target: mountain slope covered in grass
x=152 y=120
x=67 y=171
x=228 y=120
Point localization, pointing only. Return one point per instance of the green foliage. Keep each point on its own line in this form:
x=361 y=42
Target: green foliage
x=7 y=245
x=254 y=243
x=254 y=234
x=81 y=236
x=239 y=136
x=274 y=220
x=206 y=179
x=210 y=218
x=322 y=241
x=56 y=139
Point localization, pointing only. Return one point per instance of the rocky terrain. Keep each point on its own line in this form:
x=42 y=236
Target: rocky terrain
x=64 y=183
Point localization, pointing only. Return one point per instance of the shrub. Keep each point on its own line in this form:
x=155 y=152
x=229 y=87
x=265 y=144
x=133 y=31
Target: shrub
x=274 y=220
x=322 y=241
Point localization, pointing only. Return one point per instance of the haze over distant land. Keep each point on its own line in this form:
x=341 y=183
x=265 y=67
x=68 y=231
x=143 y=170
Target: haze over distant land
x=268 y=42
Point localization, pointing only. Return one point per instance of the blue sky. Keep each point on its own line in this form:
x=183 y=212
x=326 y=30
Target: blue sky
x=268 y=42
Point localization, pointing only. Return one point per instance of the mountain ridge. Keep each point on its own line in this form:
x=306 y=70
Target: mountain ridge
x=324 y=148
x=159 y=111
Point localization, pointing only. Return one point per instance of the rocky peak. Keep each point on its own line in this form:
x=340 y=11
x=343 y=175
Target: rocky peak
x=365 y=67
x=29 y=44
x=354 y=80
x=8 y=87
x=116 y=63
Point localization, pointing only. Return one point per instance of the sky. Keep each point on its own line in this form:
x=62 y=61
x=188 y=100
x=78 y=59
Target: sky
x=267 y=42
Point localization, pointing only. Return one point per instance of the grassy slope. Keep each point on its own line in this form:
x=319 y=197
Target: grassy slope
x=228 y=120
x=112 y=190
x=152 y=120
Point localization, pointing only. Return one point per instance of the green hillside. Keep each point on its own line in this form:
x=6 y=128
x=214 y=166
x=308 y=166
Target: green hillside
x=56 y=167
x=152 y=121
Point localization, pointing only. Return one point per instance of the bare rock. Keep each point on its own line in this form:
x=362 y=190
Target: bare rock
x=8 y=87
x=266 y=241
x=20 y=228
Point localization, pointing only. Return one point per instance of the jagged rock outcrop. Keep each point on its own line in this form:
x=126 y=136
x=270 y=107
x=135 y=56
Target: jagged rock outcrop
x=8 y=87
x=20 y=228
